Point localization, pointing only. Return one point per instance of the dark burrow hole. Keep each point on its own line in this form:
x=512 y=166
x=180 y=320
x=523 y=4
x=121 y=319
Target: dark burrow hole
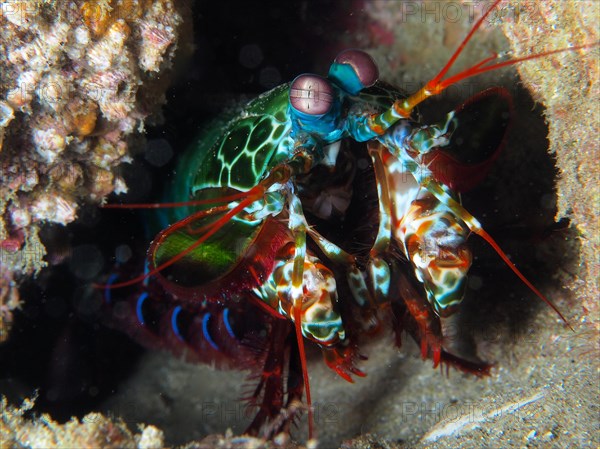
x=58 y=345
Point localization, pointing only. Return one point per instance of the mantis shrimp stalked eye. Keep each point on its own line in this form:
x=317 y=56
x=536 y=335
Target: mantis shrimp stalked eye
x=354 y=70
x=311 y=95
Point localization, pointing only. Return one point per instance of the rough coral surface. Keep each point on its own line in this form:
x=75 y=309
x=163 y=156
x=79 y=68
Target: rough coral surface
x=94 y=430
x=572 y=115
x=98 y=431
x=77 y=81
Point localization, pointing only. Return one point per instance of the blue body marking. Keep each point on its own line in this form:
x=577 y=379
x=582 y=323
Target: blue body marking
x=138 y=307
x=205 y=332
x=345 y=77
x=107 y=290
x=176 y=312
x=326 y=127
x=227 y=323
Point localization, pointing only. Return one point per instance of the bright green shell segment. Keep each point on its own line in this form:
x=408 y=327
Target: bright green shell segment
x=232 y=155
x=234 y=151
x=210 y=260
x=246 y=147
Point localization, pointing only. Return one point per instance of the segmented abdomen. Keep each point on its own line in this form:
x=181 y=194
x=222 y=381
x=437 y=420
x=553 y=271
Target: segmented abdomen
x=227 y=337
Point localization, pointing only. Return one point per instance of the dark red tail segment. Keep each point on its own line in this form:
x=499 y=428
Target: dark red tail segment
x=240 y=335
x=228 y=336
x=211 y=322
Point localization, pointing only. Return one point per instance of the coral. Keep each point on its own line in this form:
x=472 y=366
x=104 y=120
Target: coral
x=94 y=430
x=9 y=302
x=77 y=81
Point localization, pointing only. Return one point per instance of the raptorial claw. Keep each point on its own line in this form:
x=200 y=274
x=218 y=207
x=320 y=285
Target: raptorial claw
x=342 y=361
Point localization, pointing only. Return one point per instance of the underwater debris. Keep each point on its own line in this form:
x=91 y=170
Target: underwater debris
x=77 y=82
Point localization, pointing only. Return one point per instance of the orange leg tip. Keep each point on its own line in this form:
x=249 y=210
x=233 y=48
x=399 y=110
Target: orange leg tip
x=344 y=375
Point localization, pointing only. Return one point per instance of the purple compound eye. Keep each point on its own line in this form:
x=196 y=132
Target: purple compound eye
x=311 y=95
x=365 y=68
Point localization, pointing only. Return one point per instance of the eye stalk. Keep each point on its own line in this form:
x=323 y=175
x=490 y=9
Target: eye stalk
x=354 y=70
x=311 y=95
